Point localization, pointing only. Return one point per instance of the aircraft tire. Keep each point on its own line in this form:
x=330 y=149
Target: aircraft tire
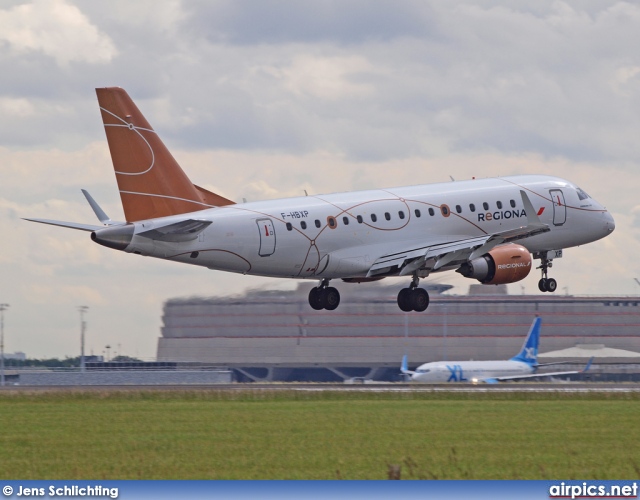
x=330 y=298
x=315 y=298
x=542 y=285
x=419 y=299
x=552 y=285
x=404 y=300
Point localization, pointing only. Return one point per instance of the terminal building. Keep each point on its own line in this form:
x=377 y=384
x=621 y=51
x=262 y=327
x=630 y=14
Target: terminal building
x=275 y=335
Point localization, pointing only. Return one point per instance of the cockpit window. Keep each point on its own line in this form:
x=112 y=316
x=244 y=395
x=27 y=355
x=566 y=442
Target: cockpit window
x=582 y=195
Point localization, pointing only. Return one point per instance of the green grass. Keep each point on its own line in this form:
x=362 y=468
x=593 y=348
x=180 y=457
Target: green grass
x=297 y=435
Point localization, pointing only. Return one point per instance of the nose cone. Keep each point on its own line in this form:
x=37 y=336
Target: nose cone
x=610 y=224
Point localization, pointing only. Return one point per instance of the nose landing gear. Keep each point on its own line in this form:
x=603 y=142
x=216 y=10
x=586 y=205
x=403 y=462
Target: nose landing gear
x=546 y=284
x=324 y=296
x=413 y=298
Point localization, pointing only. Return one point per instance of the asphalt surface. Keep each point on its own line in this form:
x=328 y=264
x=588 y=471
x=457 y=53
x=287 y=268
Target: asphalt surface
x=588 y=387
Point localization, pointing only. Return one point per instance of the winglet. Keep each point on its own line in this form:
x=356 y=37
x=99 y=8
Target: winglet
x=100 y=214
x=532 y=216
x=588 y=365
x=404 y=368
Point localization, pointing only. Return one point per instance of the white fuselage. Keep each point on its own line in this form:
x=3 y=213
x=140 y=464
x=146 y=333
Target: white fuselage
x=468 y=371
x=341 y=235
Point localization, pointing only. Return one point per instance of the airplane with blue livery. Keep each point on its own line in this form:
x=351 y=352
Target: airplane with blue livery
x=522 y=366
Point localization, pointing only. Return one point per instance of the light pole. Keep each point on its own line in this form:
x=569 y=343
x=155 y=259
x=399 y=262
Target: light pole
x=3 y=308
x=83 y=326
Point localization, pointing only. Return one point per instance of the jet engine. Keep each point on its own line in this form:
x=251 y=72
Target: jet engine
x=504 y=264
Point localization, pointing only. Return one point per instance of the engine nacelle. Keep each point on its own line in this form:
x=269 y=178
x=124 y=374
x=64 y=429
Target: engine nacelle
x=504 y=264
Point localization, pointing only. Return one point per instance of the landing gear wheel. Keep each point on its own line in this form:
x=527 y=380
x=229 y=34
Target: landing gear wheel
x=413 y=299
x=330 y=298
x=315 y=298
x=542 y=285
x=546 y=284
x=404 y=300
x=324 y=297
x=552 y=285
x=419 y=299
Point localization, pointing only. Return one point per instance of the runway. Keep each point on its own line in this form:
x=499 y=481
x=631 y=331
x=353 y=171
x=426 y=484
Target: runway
x=546 y=387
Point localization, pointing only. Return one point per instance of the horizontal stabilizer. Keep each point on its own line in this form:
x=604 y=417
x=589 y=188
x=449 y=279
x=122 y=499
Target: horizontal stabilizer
x=185 y=230
x=70 y=225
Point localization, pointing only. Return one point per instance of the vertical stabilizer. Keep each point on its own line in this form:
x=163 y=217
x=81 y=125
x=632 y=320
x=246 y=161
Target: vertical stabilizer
x=150 y=181
x=529 y=352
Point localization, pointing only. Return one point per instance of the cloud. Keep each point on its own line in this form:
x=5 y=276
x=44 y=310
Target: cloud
x=56 y=28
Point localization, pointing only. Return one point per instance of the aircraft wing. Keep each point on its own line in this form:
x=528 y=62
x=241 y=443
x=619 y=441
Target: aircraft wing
x=439 y=255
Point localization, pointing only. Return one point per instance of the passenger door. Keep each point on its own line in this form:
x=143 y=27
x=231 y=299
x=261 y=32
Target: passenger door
x=267 y=237
x=559 y=208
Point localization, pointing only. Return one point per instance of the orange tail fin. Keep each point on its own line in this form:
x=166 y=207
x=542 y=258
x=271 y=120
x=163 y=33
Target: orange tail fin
x=150 y=181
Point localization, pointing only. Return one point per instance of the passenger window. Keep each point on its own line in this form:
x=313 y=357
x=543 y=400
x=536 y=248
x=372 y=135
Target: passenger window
x=289 y=226
x=359 y=218
x=374 y=218
x=513 y=203
x=431 y=212
x=485 y=205
x=401 y=214
x=317 y=223
x=345 y=221
x=303 y=225
x=472 y=207
x=332 y=222
x=417 y=212
x=444 y=210
x=387 y=215
x=499 y=205
x=458 y=209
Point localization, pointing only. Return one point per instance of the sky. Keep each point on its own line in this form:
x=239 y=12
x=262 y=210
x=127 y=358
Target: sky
x=266 y=99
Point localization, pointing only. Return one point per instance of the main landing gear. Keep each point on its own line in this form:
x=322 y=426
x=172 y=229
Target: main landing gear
x=413 y=298
x=324 y=297
x=546 y=284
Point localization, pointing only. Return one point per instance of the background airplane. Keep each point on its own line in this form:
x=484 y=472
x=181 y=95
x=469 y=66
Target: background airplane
x=523 y=365
x=469 y=226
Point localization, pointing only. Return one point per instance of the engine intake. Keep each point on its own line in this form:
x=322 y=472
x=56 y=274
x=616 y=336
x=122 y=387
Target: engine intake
x=504 y=264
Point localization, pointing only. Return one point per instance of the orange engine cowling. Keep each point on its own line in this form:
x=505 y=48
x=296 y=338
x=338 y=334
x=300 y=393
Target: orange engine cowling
x=504 y=264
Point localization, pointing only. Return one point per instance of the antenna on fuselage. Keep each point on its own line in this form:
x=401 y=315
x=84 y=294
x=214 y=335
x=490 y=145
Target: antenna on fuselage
x=452 y=179
x=305 y=192
x=637 y=281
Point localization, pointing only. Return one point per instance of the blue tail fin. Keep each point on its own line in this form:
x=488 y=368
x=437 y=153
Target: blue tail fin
x=404 y=367
x=529 y=352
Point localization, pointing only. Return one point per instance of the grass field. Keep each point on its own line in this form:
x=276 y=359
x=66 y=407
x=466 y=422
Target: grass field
x=326 y=435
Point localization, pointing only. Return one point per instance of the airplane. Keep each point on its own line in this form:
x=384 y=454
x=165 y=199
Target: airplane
x=522 y=366
x=484 y=229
